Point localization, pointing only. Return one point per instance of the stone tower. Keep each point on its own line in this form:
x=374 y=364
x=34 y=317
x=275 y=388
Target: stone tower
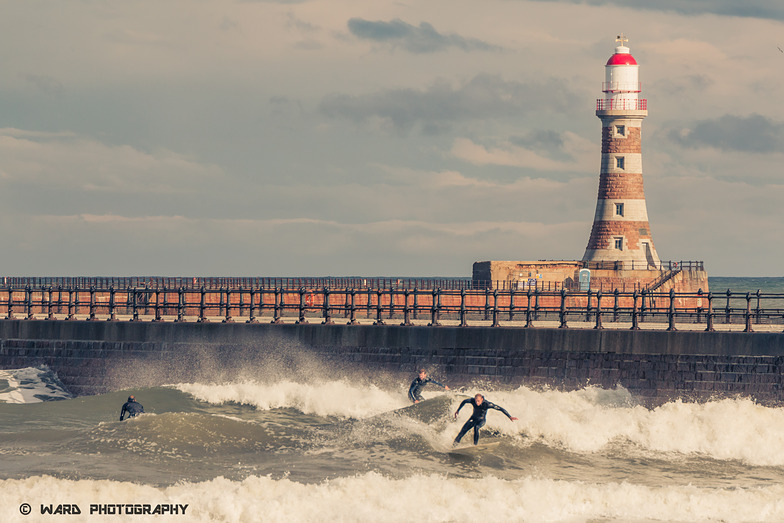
x=620 y=231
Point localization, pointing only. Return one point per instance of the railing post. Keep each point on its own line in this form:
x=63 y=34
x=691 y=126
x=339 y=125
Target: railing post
x=495 y=308
x=220 y=303
x=463 y=322
x=302 y=320
x=709 y=327
x=353 y=317
x=91 y=317
x=615 y=304
x=536 y=302
x=379 y=308
x=203 y=306
x=727 y=310
x=635 y=323
x=598 y=325
x=180 y=304
x=757 y=313
x=487 y=303
x=416 y=302
x=434 y=309
x=70 y=304
x=588 y=306
x=228 y=318
x=528 y=322
x=252 y=305
x=392 y=291
x=29 y=302
x=156 y=309
x=59 y=298
x=112 y=313
x=671 y=313
x=50 y=315
x=135 y=305
x=327 y=311
x=276 y=312
x=10 y=315
x=511 y=303
x=642 y=305
x=562 y=313
x=699 y=306
x=406 y=310
x=748 y=313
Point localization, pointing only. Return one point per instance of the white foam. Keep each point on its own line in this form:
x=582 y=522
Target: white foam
x=30 y=385
x=330 y=398
x=373 y=497
x=588 y=420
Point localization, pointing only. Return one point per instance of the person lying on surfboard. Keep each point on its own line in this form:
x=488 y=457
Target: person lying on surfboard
x=419 y=382
x=479 y=417
x=132 y=407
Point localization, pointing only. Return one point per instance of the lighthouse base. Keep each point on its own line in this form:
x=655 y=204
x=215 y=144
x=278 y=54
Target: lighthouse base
x=682 y=277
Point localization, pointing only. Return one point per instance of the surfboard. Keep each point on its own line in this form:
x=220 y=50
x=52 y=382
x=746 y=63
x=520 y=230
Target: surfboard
x=471 y=450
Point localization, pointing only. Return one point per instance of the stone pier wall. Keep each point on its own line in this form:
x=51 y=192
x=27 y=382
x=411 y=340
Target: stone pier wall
x=655 y=366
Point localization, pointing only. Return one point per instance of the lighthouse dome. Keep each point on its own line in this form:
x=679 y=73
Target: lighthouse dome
x=621 y=57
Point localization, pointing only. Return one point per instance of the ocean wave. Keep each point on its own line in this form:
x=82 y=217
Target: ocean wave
x=590 y=420
x=329 y=398
x=375 y=497
x=31 y=385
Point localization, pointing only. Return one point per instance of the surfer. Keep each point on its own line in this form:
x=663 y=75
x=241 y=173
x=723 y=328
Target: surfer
x=419 y=382
x=479 y=417
x=132 y=407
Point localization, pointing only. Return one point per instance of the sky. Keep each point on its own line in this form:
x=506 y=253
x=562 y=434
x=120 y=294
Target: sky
x=383 y=138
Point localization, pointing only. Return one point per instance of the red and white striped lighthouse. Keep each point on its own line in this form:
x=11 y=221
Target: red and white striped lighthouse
x=620 y=229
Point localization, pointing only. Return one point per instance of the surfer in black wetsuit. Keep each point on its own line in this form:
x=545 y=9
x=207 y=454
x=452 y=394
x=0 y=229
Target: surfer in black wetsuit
x=419 y=382
x=132 y=407
x=479 y=417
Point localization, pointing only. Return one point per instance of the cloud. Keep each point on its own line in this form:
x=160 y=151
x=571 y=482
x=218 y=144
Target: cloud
x=548 y=151
x=767 y=9
x=68 y=162
x=754 y=133
x=436 y=108
x=422 y=39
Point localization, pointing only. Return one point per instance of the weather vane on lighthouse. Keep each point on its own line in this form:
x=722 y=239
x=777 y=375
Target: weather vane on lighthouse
x=621 y=38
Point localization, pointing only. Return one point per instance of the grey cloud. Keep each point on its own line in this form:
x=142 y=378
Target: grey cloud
x=753 y=133
x=440 y=106
x=422 y=39
x=770 y=9
x=546 y=142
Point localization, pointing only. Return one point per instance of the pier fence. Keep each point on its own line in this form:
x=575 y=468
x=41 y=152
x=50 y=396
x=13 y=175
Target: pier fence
x=406 y=306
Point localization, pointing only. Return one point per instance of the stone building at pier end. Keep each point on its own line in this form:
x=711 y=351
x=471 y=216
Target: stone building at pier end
x=620 y=253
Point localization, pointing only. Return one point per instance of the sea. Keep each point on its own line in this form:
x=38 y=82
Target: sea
x=317 y=444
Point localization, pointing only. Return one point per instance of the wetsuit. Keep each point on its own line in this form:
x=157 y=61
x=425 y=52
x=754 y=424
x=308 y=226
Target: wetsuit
x=478 y=418
x=132 y=407
x=416 y=387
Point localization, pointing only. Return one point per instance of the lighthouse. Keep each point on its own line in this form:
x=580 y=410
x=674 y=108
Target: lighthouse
x=620 y=231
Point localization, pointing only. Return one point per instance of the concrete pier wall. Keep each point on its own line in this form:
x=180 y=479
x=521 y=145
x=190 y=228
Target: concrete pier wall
x=98 y=356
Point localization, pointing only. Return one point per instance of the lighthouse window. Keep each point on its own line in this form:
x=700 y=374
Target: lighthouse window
x=619 y=244
x=619 y=162
x=619 y=209
x=620 y=130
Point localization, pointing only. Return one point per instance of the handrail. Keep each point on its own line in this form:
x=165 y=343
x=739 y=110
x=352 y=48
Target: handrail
x=511 y=307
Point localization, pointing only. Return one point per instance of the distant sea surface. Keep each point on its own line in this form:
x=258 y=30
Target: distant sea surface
x=746 y=284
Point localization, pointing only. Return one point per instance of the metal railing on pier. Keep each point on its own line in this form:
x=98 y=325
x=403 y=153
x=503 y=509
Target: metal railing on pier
x=464 y=307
